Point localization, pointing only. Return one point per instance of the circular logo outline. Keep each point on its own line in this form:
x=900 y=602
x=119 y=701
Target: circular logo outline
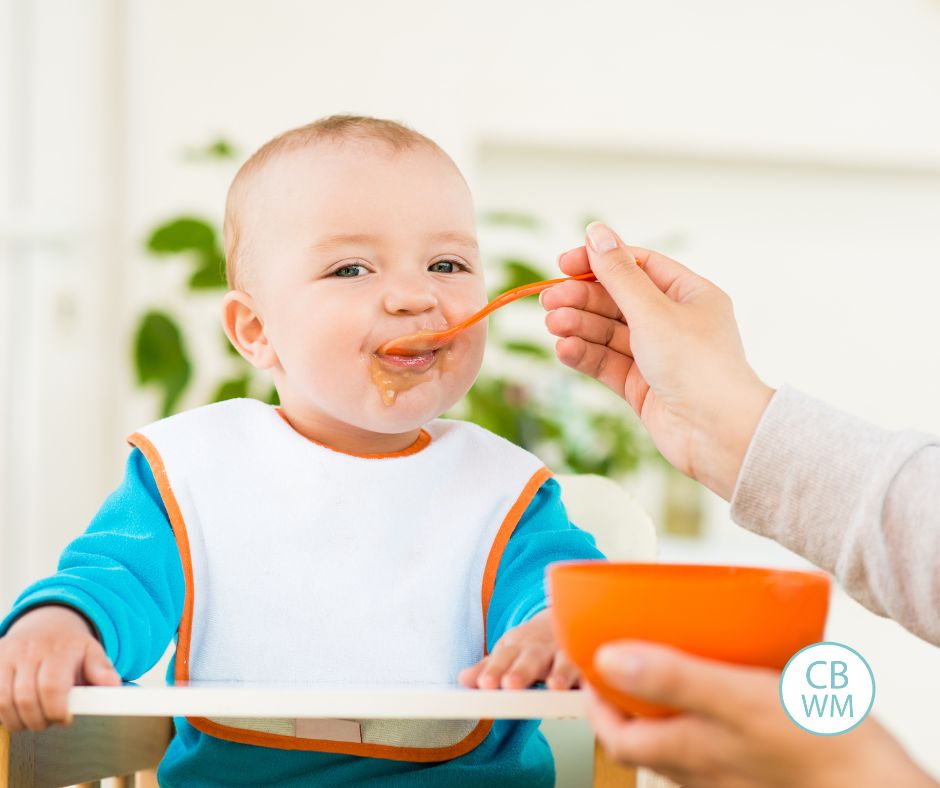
x=840 y=645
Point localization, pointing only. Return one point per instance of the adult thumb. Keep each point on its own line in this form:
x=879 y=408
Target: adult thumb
x=617 y=270
x=667 y=676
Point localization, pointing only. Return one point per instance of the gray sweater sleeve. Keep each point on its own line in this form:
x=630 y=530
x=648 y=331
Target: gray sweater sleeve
x=856 y=500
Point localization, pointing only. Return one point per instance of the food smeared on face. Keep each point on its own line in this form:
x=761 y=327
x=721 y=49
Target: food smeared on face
x=393 y=374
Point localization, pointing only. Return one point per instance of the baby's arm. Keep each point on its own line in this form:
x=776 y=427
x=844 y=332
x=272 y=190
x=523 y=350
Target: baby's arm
x=521 y=643
x=118 y=596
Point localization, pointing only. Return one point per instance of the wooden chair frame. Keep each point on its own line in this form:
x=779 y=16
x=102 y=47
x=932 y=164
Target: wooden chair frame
x=130 y=748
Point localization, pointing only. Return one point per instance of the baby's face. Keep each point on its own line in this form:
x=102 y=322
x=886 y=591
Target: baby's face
x=349 y=246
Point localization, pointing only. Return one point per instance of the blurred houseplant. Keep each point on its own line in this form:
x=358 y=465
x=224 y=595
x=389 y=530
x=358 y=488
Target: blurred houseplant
x=522 y=393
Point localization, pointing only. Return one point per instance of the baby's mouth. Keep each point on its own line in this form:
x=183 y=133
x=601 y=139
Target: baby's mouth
x=400 y=363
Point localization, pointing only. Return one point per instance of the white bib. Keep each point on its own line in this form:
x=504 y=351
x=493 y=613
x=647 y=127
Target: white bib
x=306 y=564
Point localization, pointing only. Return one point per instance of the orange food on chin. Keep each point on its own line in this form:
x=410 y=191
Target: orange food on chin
x=392 y=374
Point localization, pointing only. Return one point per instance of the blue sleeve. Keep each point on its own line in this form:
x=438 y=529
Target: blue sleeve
x=124 y=574
x=544 y=535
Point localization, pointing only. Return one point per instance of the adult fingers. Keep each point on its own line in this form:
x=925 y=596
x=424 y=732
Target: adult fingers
x=617 y=270
x=670 y=677
x=588 y=296
x=669 y=276
x=598 y=361
x=567 y=322
x=670 y=746
x=26 y=696
x=9 y=717
x=574 y=261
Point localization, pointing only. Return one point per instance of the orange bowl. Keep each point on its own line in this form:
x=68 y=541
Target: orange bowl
x=744 y=615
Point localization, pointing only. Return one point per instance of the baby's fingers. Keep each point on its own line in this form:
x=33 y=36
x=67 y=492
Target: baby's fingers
x=495 y=665
x=26 y=696
x=55 y=678
x=530 y=666
x=468 y=676
x=97 y=668
x=564 y=674
x=9 y=717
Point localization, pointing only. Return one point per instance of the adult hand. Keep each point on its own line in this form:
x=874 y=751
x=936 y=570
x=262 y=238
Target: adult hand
x=665 y=340
x=733 y=731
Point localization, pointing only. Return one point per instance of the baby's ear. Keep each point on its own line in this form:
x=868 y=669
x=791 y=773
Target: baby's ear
x=245 y=330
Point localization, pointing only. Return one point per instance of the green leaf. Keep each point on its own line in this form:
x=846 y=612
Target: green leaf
x=210 y=275
x=516 y=273
x=231 y=389
x=198 y=239
x=488 y=407
x=521 y=272
x=273 y=398
x=527 y=348
x=182 y=235
x=229 y=347
x=549 y=427
x=511 y=219
x=220 y=149
x=160 y=358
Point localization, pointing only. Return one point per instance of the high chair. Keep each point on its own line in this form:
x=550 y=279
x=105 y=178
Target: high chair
x=129 y=749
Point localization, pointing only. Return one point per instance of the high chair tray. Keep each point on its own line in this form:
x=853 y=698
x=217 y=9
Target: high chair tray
x=222 y=699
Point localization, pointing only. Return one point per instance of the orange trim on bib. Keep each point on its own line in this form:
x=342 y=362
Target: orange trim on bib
x=502 y=539
x=181 y=667
x=423 y=439
x=283 y=742
x=387 y=751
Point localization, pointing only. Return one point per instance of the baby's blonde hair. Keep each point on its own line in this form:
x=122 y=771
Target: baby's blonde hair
x=333 y=128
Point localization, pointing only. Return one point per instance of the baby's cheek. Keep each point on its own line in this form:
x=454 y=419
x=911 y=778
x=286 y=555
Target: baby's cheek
x=460 y=370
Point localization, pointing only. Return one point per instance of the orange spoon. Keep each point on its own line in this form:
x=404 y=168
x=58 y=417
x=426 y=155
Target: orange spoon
x=426 y=341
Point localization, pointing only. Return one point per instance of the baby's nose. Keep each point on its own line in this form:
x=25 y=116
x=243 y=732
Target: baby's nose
x=409 y=299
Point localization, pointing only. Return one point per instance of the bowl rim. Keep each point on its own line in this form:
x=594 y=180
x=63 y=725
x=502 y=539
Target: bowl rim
x=676 y=571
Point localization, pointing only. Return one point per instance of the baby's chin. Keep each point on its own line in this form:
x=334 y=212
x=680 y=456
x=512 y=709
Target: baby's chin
x=392 y=411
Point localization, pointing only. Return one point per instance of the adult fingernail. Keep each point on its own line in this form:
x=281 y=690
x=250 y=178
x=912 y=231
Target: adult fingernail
x=601 y=237
x=619 y=663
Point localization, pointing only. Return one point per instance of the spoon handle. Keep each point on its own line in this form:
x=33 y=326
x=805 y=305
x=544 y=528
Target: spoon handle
x=521 y=292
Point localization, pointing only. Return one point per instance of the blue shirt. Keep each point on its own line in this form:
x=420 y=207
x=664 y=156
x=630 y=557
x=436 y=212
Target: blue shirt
x=125 y=575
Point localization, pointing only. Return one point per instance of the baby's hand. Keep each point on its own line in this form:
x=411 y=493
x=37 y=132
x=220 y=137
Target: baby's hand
x=523 y=656
x=42 y=656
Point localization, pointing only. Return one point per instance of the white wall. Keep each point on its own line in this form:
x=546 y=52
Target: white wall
x=62 y=269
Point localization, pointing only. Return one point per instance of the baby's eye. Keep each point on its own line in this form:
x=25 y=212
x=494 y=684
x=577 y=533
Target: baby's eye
x=350 y=271
x=445 y=266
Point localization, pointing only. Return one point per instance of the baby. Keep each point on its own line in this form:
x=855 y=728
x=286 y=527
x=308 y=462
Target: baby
x=349 y=535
